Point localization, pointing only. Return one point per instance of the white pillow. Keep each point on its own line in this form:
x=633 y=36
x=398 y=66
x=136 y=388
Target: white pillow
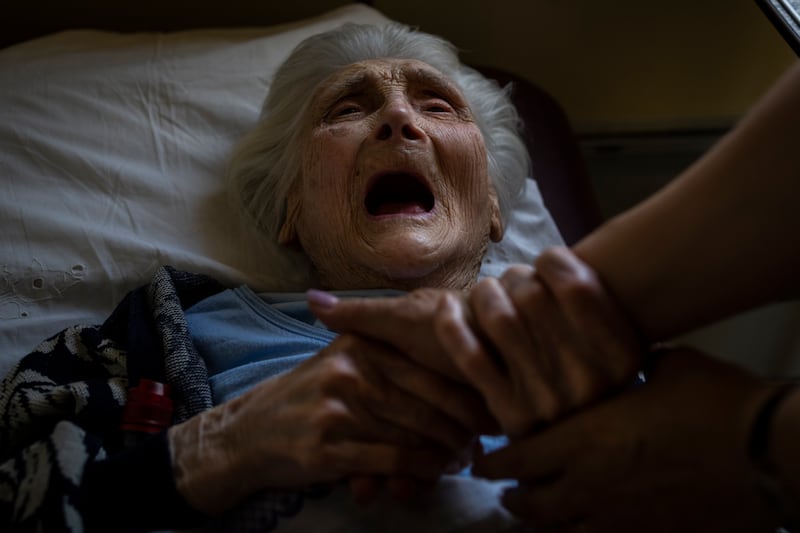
x=112 y=157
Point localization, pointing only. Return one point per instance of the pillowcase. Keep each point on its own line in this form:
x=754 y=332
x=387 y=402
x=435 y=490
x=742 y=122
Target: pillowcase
x=112 y=163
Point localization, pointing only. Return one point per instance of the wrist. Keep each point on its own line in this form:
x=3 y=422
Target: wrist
x=765 y=449
x=205 y=463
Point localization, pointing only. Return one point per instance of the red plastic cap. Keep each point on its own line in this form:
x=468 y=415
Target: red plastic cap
x=149 y=407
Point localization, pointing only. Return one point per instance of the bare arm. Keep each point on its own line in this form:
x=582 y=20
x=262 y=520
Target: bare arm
x=780 y=455
x=723 y=237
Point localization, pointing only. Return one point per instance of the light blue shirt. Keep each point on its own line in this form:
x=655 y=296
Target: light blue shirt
x=246 y=337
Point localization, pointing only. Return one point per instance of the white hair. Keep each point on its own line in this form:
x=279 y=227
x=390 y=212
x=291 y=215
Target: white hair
x=265 y=162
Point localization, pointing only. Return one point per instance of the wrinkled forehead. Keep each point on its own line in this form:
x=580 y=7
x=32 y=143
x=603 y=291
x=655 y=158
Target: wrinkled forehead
x=381 y=73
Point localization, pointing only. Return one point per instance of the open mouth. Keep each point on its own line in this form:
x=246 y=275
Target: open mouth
x=396 y=193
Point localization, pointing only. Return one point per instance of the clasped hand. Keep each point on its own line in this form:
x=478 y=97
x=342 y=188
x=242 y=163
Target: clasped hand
x=537 y=343
x=357 y=409
x=548 y=347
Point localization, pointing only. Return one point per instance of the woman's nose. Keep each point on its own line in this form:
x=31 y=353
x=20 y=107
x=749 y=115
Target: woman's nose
x=398 y=120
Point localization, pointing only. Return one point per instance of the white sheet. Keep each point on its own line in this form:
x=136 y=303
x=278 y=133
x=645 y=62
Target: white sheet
x=455 y=505
x=112 y=155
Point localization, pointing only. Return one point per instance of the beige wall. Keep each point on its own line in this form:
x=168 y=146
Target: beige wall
x=614 y=64
x=619 y=64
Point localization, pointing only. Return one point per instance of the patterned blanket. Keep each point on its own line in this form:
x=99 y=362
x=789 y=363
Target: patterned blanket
x=63 y=466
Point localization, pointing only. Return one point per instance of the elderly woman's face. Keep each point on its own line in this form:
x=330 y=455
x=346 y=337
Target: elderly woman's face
x=394 y=189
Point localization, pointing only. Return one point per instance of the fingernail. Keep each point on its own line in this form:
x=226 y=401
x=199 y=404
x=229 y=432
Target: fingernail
x=321 y=299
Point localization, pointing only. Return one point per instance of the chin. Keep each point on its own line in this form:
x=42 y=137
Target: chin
x=402 y=261
x=458 y=272
x=406 y=255
x=405 y=277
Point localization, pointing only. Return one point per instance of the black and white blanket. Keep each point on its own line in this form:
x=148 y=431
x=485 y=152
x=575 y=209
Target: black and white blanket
x=62 y=463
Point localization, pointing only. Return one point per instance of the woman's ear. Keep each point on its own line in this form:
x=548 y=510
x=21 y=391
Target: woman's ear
x=496 y=229
x=287 y=234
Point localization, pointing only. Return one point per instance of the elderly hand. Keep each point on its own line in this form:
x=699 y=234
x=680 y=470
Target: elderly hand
x=404 y=322
x=357 y=407
x=540 y=343
x=669 y=455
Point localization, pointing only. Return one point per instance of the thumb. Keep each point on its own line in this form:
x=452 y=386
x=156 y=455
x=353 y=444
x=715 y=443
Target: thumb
x=405 y=323
x=376 y=318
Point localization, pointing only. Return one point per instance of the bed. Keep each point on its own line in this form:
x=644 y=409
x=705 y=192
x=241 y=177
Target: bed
x=113 y=147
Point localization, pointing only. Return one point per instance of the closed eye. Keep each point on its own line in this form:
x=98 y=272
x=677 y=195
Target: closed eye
x=344 y=110
x=434 y=103
x=438 y=108
x=345 y=107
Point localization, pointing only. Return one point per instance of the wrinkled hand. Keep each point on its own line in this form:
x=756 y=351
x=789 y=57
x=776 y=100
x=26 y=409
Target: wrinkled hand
x=404 y=322
x=539 y=343
x=365 y=488
x=357 y=407
x=666 y=456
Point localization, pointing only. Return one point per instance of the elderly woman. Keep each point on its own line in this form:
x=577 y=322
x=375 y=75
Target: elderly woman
x=389 y=164
x=393 y=173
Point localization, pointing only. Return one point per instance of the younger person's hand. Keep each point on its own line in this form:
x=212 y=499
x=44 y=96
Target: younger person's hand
x=669 y=455
x=405 y=322
x=540 y=343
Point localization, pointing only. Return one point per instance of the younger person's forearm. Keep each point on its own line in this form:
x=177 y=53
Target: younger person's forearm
x=777 y=461
x=723 y=237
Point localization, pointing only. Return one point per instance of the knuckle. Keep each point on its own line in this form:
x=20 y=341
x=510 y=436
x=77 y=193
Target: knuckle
x=406 y=311
x=492 y=305
x=339 y=371
x=498 y=318
x=578 y=289
x=330 y=416
x=332 y=412
x=486 y=285
x=426 y=298
x=528 y=296
x=516 y=274
x=447 y=325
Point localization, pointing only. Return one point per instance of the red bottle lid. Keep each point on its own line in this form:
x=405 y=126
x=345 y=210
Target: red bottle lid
x=149 y=407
